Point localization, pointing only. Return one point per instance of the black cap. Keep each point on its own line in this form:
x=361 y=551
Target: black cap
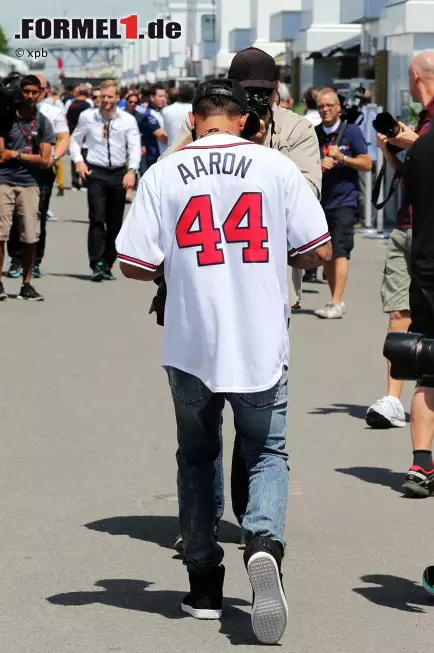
x=254 y=68
x=224 y=87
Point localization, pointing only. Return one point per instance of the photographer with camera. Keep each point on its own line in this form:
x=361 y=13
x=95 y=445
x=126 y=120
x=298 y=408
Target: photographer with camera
x=344 y=154
x=389 y=412
x=26 y=139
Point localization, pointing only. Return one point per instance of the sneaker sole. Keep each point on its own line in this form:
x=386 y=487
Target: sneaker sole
x=31 y=299
x=197 y=613
x=412 y=489
x=378 y=421
x=270 y=609
x=425 y=583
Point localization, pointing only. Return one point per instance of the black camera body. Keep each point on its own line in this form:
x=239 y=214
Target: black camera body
x=10 y=93
x=351 y=109
x=387 y=125
x=411 y=356
x=258 y=102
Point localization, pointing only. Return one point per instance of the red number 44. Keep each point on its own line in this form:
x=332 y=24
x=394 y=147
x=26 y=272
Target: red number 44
x=208 y=236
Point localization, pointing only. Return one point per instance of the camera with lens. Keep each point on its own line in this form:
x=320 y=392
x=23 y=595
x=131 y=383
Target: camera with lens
x=9 y=96
x=389 y=126
x=351 y=108
x=259 y=102
x=411 y=356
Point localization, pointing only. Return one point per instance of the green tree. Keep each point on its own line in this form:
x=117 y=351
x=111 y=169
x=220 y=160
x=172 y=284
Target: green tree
x=4 y=47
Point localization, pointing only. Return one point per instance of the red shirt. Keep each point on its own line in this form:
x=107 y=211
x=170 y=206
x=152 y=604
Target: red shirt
x=404 y=217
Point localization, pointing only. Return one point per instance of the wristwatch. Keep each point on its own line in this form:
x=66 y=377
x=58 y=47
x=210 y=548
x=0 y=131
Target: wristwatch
x=56 y=158
x=132 y=170
x=18 y=156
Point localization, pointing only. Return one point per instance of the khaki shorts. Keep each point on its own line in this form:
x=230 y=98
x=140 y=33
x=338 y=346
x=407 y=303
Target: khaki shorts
x=396 y=280
x=24 y=202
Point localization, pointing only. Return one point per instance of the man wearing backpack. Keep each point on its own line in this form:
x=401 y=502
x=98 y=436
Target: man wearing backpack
x=79 y=104
x=25 y=149
x=56 y=117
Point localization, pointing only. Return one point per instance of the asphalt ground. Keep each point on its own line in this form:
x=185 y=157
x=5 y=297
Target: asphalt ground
x=88 y=505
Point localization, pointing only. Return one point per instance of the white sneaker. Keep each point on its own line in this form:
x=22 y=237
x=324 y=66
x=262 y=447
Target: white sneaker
x=387 y=413
x=51 y=217
x=331 y=311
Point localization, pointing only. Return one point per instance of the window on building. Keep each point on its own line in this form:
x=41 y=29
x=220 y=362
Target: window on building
x=208 y=29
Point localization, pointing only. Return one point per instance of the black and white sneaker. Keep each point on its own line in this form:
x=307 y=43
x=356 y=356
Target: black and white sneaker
x=419 y=482
x=179 y=544
x=28 y=292
x=3 y=295
x=428 y=580
x=205 y=598
x=263 y=558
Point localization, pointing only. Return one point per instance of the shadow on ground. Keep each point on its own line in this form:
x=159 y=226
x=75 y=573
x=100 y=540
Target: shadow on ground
x=134 y=595
x=377 y=476
x=395 y=592
x=354 y=410
x=159 y=529
x=303 y=311
x=81 y=277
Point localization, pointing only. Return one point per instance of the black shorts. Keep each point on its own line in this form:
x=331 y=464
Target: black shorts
x=422 y=319
x=341 y=226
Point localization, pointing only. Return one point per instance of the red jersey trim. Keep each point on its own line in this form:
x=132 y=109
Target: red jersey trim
x=213 y=147
x=300 y=250
x=313 y=243
x=137 y=261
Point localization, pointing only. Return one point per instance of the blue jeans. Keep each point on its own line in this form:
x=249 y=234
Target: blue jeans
x=260 y=422
x=219 y=480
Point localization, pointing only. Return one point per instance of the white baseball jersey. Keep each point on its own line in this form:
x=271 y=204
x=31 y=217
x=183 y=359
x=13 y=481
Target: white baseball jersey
x=223 y=214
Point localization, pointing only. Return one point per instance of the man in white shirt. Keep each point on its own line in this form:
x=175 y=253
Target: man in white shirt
x=225 y=216
x=112 y=138
x=176 y=114
x=311 y=112
x=56 y=117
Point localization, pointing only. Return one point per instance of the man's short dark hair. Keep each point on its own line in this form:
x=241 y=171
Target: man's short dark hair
x=30 y=80
x=217 y=105
x=155 y=88
x=310 y=97
x=186 y=92
x=133 y=95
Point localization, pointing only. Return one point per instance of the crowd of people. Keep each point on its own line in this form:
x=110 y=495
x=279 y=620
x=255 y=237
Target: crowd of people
x=295 y=200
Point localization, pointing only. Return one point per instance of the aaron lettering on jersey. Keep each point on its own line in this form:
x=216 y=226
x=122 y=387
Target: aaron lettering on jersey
x=216 y=164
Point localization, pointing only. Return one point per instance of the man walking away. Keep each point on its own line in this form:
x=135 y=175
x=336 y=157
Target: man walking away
x=112 y=137
x=25 y=148
x=233 y=280
x=176 y=114
x=341 y=165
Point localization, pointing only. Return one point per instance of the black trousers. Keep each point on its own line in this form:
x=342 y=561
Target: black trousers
x=15 y=247
x=106 y=200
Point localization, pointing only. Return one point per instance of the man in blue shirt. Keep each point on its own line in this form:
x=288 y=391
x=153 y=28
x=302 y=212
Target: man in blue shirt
x=154 y=137
x=341 y=164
